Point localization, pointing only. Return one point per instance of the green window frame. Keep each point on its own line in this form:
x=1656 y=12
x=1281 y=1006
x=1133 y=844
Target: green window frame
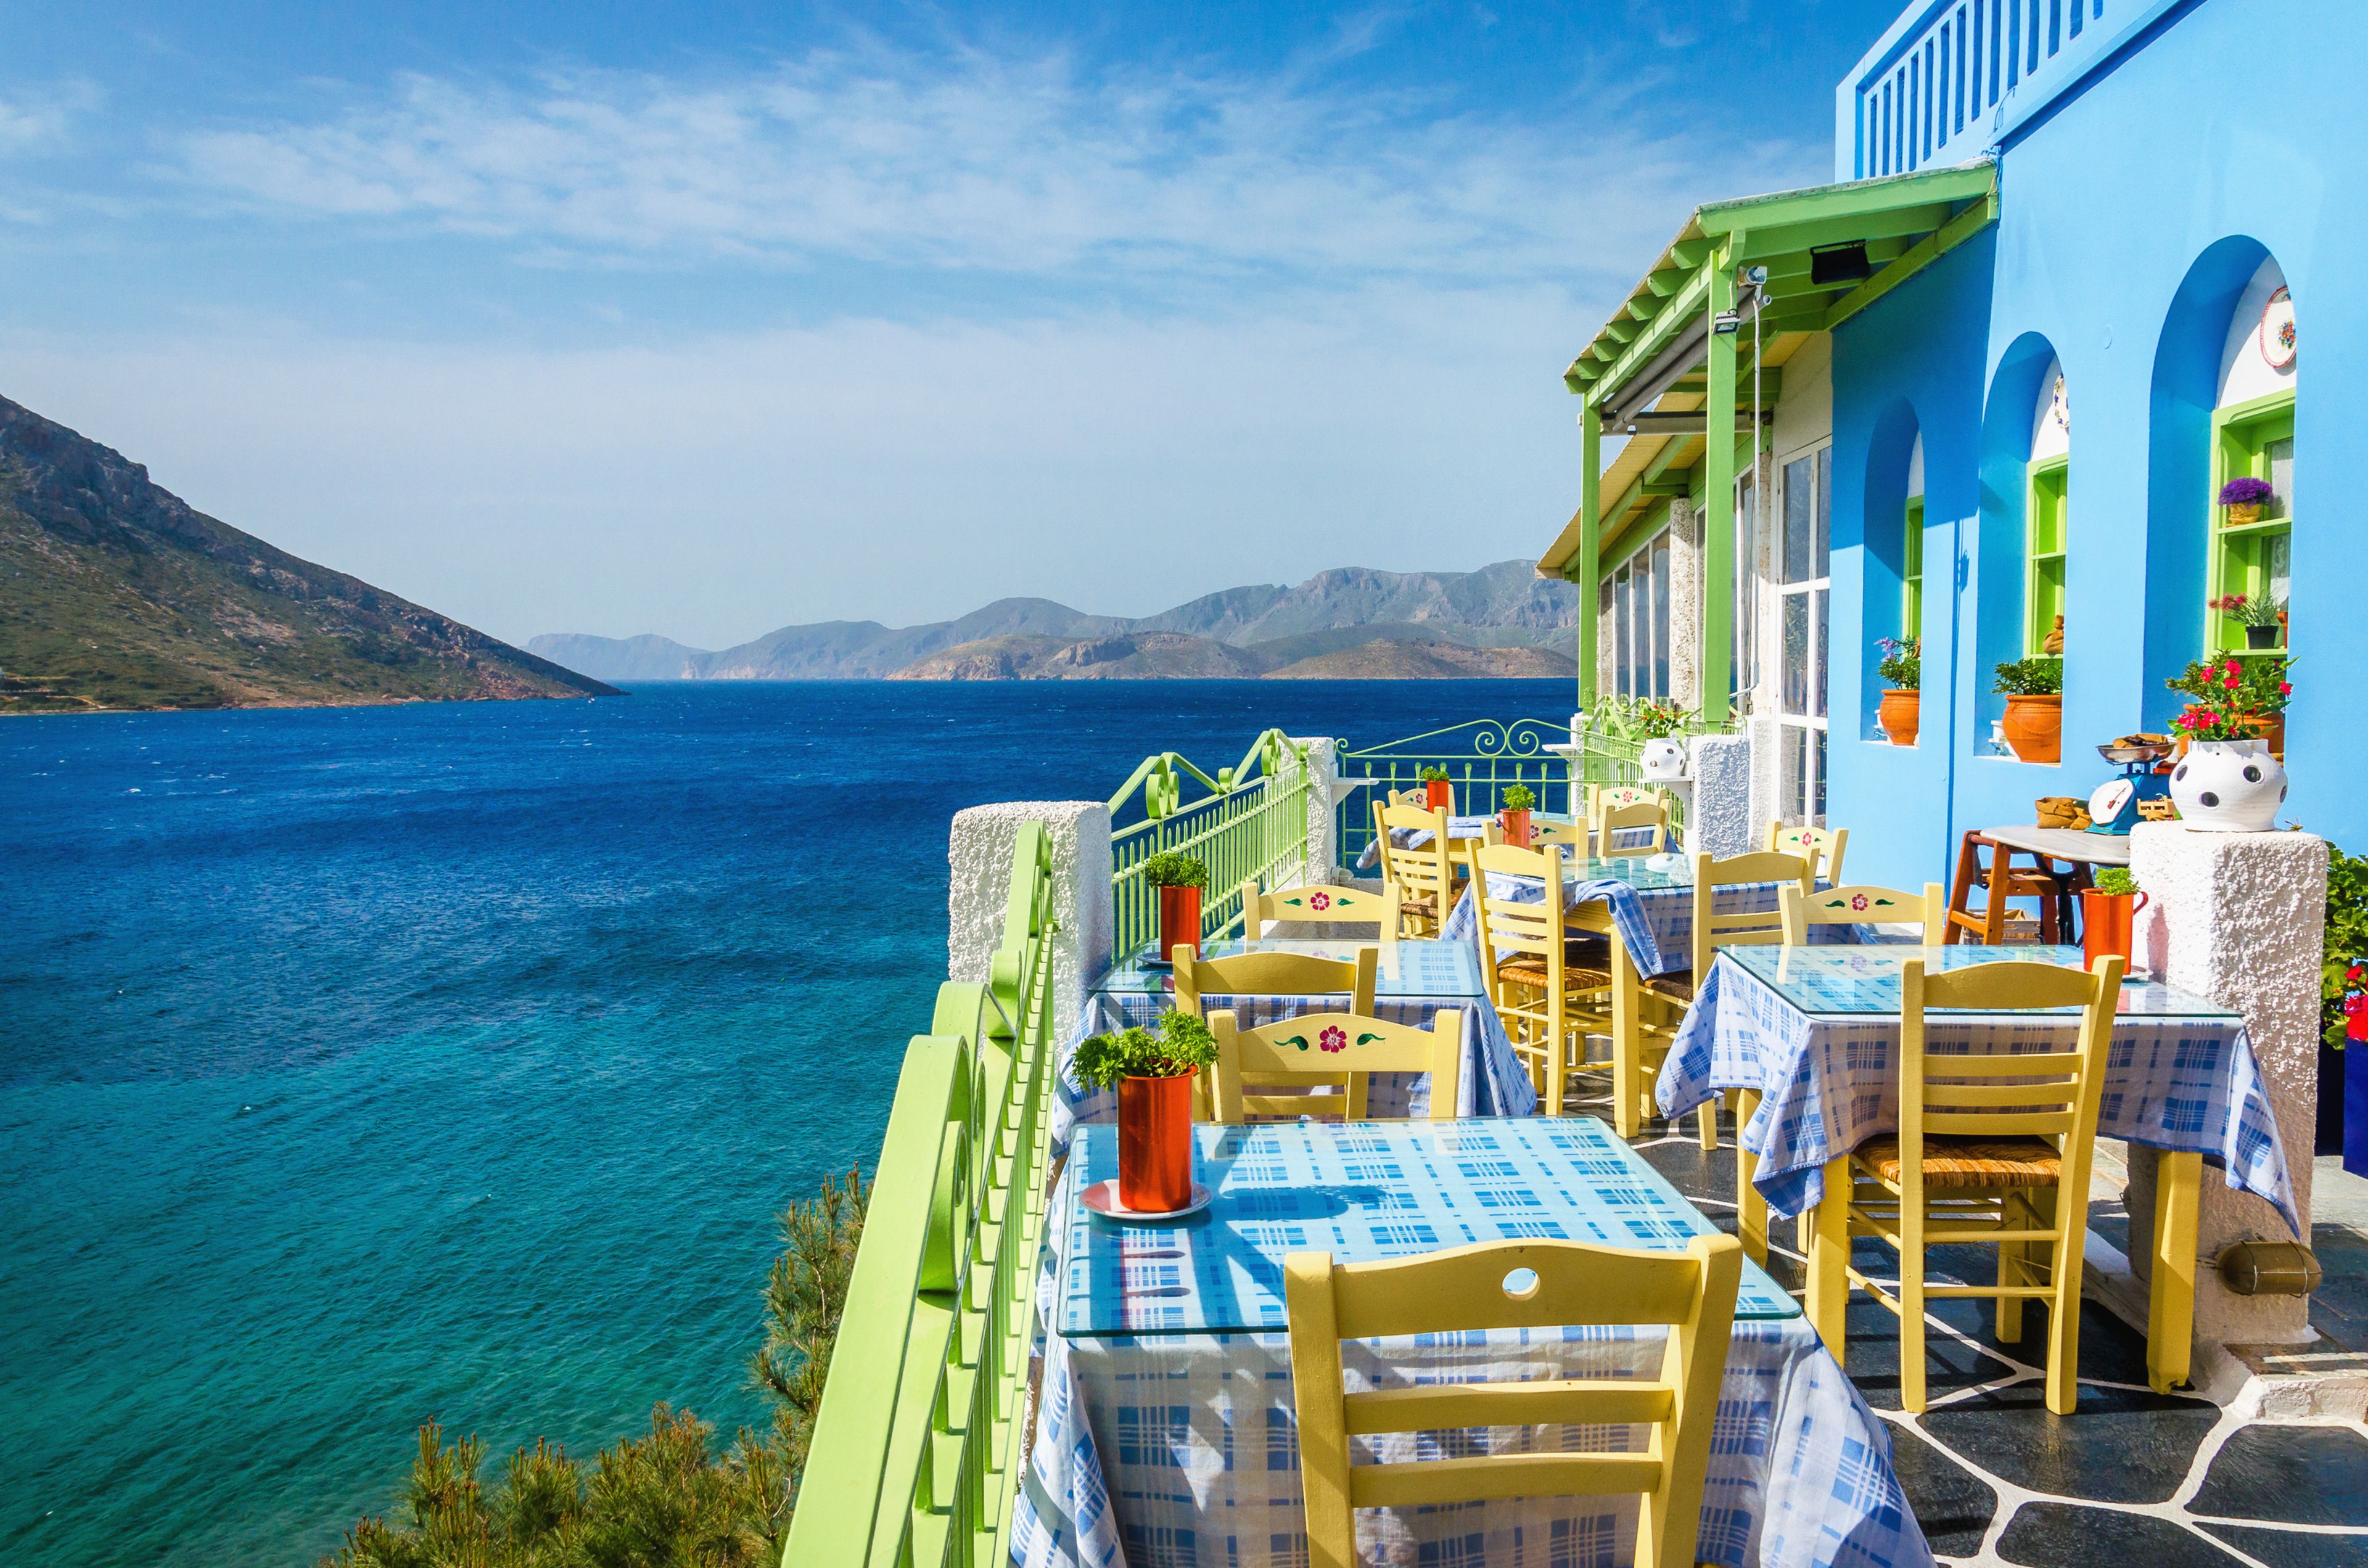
x=1911 y=569
x=2047 y=517
x=2253 y=438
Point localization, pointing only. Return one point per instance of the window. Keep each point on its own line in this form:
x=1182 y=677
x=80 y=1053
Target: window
x=1637 y=600
x=1803 y=584
x=1911 y=569
x=2048 y=521
x=2256 y=557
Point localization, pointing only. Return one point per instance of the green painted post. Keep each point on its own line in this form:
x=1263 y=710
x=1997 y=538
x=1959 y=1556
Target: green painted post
x=1591 y=507
x=1718 y=502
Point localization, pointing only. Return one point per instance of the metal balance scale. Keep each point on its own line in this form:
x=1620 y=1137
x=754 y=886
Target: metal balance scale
x=2113 y=807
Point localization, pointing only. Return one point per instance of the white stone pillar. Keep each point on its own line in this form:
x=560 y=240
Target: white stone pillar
x=2238 y=917
x=1718 y=816
x=1321 y=869
x=979 y=890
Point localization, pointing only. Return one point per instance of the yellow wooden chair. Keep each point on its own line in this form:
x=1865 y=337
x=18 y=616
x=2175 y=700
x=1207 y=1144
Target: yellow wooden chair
x=1425 y=876
x=1863 y=905
x=1616 y=831
x=1625 y=800
x=1993 y=1149
x=1313 y=904
x=1333 y=1055
x=1602 y=798
x=1547 y=1003
x=1646 y=1025
x=1268 y=974
x=1536 y=1284
x=1570 y=837
x=1821 y=847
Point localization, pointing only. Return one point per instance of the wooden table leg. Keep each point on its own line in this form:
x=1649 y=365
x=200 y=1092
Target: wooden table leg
x=1627 y=1039
x=1828 y=1302
x=2170 y=1304
x=1968 y=868
x=1750 y=1209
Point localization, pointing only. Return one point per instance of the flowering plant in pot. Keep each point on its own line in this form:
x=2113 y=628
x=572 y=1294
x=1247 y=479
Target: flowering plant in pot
x=2244 y=497
x=1152 y=1070
x=1655 y=724
x=1438 y=794
x=1179 y=878
x=1902 y=669
x=2034 y=689
x=2106 y=913
x=2227 y=781
x=1515 y=817
x=2263 y=617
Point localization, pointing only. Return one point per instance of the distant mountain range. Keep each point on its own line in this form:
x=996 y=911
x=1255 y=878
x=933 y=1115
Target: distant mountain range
x=1351 y=623
x=116 y=592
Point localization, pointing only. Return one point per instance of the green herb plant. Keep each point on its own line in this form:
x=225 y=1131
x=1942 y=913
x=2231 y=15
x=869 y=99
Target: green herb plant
x=1520 y=797
x=1169 y=870
x=2115 y=880
x=2036 y=676
x=1179 y=1044
x=1433 y=776
x=1901 y=665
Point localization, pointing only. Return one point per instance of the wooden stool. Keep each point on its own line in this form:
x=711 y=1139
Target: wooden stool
x=2055 y=892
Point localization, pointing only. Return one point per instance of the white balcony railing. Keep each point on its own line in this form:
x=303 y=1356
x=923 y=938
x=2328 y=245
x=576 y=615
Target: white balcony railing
x=1951 y=79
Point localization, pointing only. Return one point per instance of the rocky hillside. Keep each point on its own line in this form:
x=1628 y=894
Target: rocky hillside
x=1339 y=624
x=115 y=593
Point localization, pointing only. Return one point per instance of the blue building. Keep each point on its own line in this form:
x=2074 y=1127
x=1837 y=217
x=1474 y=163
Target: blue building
x=1984 y=390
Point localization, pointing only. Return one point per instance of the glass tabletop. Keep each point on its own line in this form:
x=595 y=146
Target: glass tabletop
x=1646 y=873
x=1361 y=1191
x=1422 y=967
x=1840 y=981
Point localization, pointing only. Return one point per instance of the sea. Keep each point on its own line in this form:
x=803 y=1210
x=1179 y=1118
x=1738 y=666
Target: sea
x=366 y=1067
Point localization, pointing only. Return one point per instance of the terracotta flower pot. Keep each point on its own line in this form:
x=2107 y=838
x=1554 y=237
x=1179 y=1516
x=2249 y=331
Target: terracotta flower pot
x=1438 y=795
x=2034 y=727
x=2106 y=919
x=1154 y=1143
x=1180 y=920
x=1901 y=715
x=1516 y=827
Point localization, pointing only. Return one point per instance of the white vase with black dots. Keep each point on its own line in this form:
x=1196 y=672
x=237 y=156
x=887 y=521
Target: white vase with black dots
x=2228 y=786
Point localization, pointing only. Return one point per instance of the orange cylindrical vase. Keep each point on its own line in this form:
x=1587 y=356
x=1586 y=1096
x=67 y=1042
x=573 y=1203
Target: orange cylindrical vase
x=1438 y=795
x=2106 y=919
x=1517 y=828
x=1180 y=920
x=1154 y=1143
x=2034 y=728
x=1901 y=715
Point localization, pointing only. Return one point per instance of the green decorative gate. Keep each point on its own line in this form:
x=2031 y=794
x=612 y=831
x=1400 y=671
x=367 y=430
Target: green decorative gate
x=1252 y=822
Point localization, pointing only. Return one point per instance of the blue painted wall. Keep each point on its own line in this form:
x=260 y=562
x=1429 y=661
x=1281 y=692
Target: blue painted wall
x=2129 y=217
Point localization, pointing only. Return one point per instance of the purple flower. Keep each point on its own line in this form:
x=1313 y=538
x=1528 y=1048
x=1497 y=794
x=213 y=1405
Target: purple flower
x=2245 y=490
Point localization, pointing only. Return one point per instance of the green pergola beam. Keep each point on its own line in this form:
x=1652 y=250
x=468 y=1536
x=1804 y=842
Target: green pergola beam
x=1794 y=238
x=1853 y=199
x=1718 y=499
x=1646 y=344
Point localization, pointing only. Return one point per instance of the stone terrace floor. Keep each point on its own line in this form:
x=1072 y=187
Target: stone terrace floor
x=2135 y=1477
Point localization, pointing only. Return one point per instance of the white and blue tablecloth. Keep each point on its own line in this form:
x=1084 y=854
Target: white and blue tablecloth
x=2180 y=1074
x=1652 y=906
x=1180 y=1450
x=1477 y=827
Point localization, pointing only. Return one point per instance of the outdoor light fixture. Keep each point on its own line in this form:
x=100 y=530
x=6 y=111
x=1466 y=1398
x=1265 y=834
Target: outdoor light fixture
x=1726 y=323
x=1844 y=262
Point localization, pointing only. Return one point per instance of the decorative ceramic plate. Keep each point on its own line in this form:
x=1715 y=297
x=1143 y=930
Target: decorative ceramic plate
x=1102 y=1199
x=2277 y=330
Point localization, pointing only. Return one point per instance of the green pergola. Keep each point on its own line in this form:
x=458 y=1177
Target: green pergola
x=1800 y=261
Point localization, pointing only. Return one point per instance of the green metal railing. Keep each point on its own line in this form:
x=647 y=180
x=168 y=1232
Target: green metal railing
x=917 y=1448
x=1483 y=759
x=1244 y=827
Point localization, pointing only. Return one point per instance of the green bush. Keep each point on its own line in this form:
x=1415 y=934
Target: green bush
x=1433 y=776
x=1169 y=870
x=1181 y=1044
x=2115 y=880
x=2347 y=939
x=1520 y=797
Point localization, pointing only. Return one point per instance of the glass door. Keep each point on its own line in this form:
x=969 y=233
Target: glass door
x=1801 y=589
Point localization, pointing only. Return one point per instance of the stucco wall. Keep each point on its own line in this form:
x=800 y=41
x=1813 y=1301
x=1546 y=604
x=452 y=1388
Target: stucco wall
x=979 y=889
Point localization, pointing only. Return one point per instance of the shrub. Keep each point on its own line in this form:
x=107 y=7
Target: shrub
x=2038 y=676
x=1179 y=1044
x=1169 y=870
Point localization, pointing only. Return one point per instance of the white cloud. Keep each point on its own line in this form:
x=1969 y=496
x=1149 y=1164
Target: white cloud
x=39 y=117
x=977 y=161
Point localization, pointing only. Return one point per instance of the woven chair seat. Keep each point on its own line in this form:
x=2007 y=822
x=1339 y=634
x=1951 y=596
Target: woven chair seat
x=1677 y=986
x=1419 y=904
x=1524 y=970
x=1969 y=1162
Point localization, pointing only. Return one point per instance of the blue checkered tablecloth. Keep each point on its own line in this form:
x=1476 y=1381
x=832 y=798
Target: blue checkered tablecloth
x=1652 y=904
x=1477 y=827
x=2181 y=1073
x=1180 y=1449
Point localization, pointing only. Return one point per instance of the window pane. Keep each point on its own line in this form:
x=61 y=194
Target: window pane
x=1799 y=523
x=2280 y=456
x=1795 y=696
x=1817 y=675
x=1820 y=754
x=1824 y=509
x=1661 y=616
x=2277 y=557
x=1795 y=752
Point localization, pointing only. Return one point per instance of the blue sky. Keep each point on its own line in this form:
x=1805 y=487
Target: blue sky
x=705 y=321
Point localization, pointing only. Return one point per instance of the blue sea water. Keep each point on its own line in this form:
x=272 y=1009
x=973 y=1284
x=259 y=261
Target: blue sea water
x=365 y=1066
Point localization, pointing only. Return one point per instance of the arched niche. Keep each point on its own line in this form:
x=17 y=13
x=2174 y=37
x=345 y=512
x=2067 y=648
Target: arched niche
x=2221 y=405
x=2024 y=544
x=1892 y=585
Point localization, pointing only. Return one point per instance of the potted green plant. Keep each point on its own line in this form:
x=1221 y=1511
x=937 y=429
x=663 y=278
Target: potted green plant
x=2034 y=689
x=2244 y=497
x=2263 y=617
x=1152 y=1070
x=1438 y=795
x=1179 y=878
x=2253 y=690
x=1515 y=817
x=2108 y=913
x=1902 y=669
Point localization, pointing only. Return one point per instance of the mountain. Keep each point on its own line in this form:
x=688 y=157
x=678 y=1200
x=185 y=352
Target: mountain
x=1352 y=620
x=116 y=592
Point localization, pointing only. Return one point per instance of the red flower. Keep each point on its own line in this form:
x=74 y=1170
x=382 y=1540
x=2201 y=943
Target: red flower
x=1332 y=1039
x=1319 y=901
x=2230 y=682
x=2352 y=973
x=2284 y=689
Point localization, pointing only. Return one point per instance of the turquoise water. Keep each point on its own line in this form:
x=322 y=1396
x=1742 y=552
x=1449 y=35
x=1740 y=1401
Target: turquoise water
x=360 y=1067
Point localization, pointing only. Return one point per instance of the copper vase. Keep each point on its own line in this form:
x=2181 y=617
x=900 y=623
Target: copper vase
x=2106 y=921
x=1180 y=921
x=1154 y=1143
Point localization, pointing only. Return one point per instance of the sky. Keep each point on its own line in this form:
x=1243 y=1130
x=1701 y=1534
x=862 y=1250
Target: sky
x=706 y=319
